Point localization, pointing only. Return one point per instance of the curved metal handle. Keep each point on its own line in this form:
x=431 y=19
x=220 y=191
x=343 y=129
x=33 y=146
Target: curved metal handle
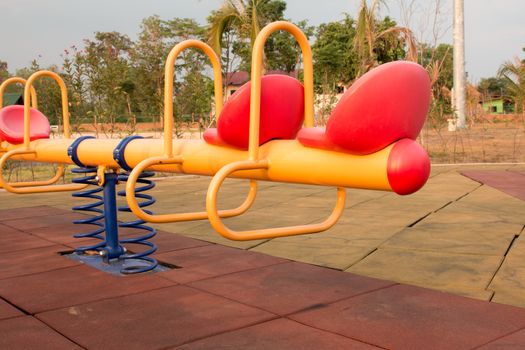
x=36 y=186
x=218 y=225
x=27 y=93
x=137 y=210
x=255 y=93
x=169 y=71
x=14 y=80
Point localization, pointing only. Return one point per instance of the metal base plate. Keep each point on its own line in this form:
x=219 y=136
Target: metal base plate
x=114 y=266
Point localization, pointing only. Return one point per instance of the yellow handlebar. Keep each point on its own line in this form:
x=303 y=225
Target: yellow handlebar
x=255 y=93
x=218 y=225
x=168 y=157
x=27 y=93
x=35 y=186
x=14 y=80
x=169 y=71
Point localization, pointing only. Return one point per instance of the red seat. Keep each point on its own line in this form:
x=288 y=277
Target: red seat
x=12 y=124
x=387 y=104
x=282 y=113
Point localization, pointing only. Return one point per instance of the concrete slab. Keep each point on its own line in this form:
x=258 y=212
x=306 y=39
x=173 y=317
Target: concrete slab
x=443 y=271
x=205 y=232
x=465 y=212
x=467 y=238
x=278 y=334
x=406 y=317
x=151 y=320
x=509 y=283
x=28 y=333
x=286 y=288
x=318 y=249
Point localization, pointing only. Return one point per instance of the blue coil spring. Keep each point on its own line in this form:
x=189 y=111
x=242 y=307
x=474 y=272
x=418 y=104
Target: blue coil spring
x=88 y=177
x=150 y=232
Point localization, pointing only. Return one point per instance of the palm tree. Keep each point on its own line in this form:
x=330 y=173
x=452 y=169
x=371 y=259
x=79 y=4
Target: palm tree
x=234 y=14
x=513 y=73
x=368 y=35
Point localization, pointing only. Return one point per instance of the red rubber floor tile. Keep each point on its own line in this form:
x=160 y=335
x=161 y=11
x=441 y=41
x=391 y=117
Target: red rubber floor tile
x=72 y=286
x=29 y=333
x=151 y=320
x=510 y=182
x=30 y=261
x=12 y=240
x=512 y=341
x=8 y=311
x=167 y=242
x=289 y=287
x=58 y=217
x=62 y=233
x=212 y=260
x=277 y=334
x=28 y=212
x=406 y=317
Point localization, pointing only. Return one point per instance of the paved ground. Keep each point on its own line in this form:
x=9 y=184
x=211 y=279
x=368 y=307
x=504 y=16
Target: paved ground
x=456 y=235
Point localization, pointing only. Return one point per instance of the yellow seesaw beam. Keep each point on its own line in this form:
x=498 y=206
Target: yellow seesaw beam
x=290 y=161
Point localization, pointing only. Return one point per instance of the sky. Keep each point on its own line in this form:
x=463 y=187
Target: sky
x=42 y=29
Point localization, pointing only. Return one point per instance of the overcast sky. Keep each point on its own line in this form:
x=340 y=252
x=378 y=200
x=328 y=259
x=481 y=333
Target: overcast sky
x=494 y=29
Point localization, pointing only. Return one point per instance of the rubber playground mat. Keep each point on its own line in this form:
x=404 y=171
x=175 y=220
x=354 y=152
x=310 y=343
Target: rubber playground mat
x=219 y=297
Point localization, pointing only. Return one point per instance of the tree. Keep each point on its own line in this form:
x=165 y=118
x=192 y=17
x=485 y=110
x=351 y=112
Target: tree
x=193 y=89
x=335 y=60
x=493 y=87
x=234 y=27
x=147 y=57
x=4 y=73
x=513 y=74
x=373 y=37
x=106 y=65
x=234 y=14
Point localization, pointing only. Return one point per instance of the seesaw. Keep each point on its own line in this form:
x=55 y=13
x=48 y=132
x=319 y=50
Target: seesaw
x=265 y=131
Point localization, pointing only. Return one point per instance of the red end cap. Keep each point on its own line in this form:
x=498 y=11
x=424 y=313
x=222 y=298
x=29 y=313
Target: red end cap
x=408 y=167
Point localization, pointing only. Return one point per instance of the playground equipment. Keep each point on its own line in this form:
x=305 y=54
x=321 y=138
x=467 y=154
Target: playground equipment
x=264 y=132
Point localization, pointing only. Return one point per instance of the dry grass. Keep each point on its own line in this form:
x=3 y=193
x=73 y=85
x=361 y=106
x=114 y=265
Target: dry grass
x=484 y=141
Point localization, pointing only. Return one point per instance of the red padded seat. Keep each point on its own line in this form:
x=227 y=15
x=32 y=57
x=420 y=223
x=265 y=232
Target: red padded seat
x=387 y=104
x=282 y=113
x=12 y=124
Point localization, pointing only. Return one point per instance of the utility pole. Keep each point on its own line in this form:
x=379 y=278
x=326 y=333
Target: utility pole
x=459 y=64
